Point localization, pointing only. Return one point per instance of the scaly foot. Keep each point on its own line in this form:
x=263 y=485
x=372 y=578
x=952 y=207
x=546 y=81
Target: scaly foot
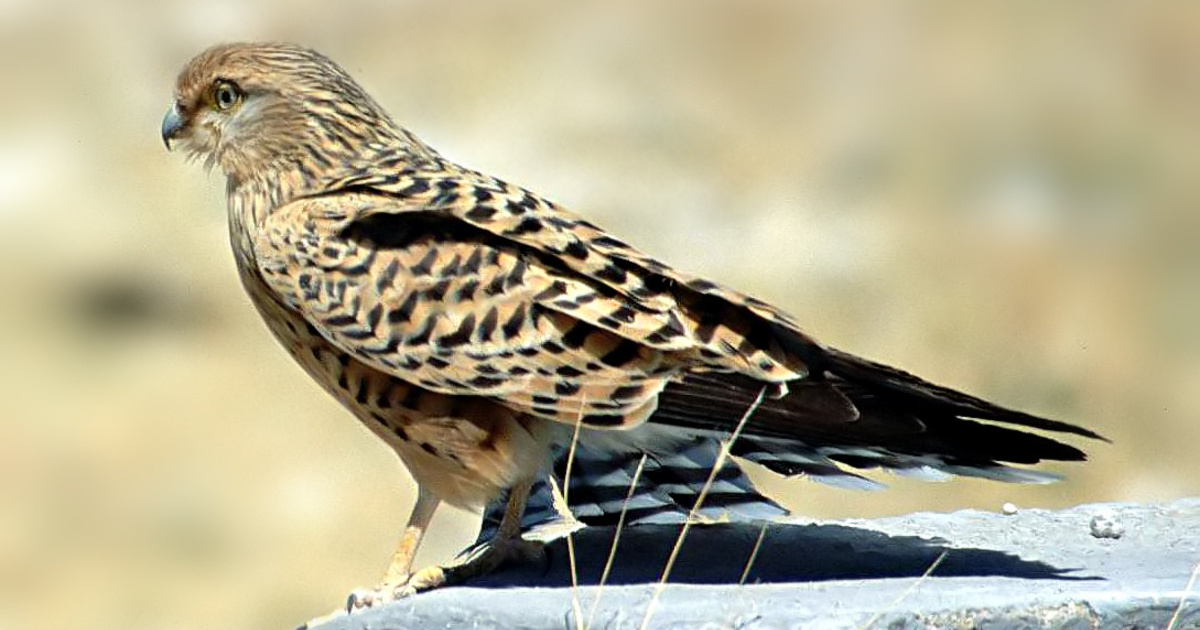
x=482 y=562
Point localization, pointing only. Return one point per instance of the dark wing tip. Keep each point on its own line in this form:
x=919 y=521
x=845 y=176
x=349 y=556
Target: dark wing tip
x=869 y=373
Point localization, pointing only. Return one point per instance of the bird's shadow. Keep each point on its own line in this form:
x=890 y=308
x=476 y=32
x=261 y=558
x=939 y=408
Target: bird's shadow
x=718 y=554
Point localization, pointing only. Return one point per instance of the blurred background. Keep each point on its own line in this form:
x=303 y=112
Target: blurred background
x=1001 y=196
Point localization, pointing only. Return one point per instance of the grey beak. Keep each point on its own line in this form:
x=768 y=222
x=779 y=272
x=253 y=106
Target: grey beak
x=172 y=123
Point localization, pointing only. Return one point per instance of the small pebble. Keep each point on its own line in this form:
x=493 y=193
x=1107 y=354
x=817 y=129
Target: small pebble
x=1106 y=525
x=1009 y=509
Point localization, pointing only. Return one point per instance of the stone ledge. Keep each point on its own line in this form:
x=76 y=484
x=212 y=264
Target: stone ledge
x=1032 y=569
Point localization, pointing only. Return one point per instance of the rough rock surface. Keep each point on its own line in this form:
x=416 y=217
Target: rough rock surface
x=1091 y=567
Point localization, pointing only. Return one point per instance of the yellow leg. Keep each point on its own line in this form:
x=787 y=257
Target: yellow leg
x=397 y=576
x=505 y=545
x=399 y=570
x=510 y=523
x=396 y=580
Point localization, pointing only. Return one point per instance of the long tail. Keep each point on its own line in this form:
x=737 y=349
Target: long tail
x=864 y=415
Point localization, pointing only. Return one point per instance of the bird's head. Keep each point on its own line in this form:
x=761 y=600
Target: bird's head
x=253 y=109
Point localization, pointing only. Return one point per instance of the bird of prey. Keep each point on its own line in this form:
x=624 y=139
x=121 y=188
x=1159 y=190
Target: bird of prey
x=474 y=326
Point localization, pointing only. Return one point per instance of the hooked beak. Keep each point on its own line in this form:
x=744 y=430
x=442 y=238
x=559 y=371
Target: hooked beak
x=172 y=124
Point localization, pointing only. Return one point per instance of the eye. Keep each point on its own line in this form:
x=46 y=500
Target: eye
x=225 y=94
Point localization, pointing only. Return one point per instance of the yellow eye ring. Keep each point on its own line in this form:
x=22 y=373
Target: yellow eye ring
x=225 y=94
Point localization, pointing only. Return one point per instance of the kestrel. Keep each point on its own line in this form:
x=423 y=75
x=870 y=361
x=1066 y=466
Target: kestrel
x=472 y=324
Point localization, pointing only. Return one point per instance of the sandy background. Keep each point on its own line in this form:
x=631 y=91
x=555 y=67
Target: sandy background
x=1003 y=198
